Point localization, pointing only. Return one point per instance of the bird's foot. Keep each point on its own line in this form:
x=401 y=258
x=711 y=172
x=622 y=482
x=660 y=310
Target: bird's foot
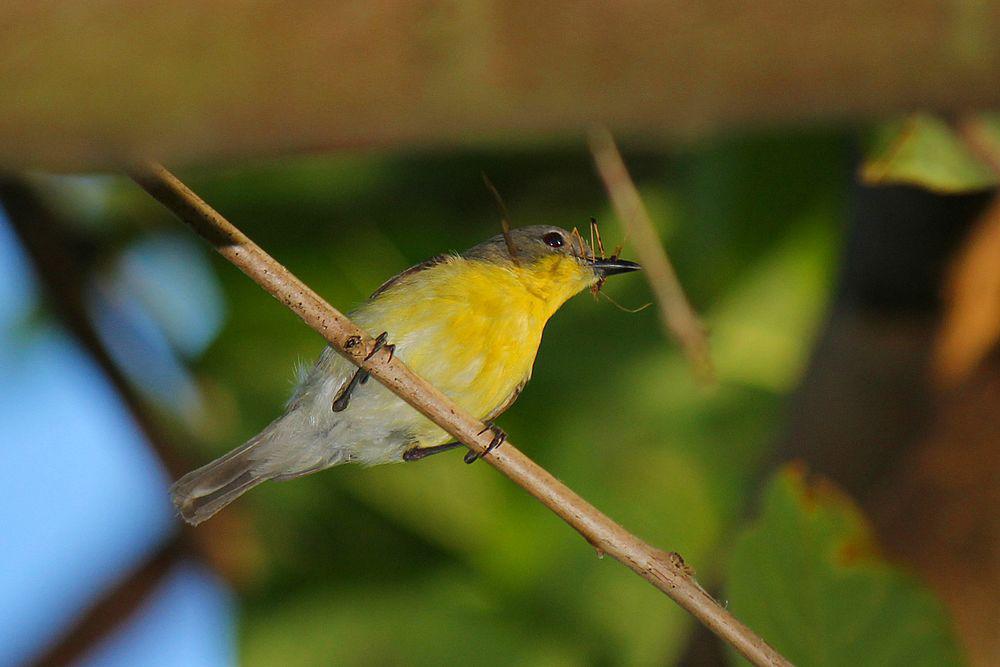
x=361 y=376
x=499 y=436
x=417 y=453
x=380 y=344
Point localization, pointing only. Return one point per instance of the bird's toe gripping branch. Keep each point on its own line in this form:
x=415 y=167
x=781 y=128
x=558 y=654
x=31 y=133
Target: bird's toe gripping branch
x=361 y=375
x=417 y=453
x=499 y=436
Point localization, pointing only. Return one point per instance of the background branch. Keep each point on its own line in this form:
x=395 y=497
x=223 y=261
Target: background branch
x=676 y=313
x=116 y=606
x=665 y=571
x=193 y=82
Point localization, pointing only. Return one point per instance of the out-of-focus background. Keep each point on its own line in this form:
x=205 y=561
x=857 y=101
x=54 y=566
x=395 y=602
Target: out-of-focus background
x=824 y=181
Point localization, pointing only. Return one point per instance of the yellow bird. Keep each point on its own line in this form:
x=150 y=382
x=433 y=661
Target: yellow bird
x=470 y=324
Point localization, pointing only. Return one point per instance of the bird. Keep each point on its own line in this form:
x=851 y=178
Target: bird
x=470 y=323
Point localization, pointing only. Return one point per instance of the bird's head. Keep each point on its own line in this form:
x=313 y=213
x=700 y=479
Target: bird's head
x=552 y=263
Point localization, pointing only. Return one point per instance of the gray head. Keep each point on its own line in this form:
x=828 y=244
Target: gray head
x=536 y=242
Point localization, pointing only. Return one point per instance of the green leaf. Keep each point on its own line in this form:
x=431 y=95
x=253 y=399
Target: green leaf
x=923 y=150
x=808 y=578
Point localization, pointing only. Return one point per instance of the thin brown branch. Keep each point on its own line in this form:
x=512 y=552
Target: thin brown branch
x=679 y=319
x=665 y=571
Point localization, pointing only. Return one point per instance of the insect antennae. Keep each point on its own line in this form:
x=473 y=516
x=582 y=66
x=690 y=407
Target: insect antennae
x=594 y=229
x=581 y=247
x=504 y=218
x=623 y=308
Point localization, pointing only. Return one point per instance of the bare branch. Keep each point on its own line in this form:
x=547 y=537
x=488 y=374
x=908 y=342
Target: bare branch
x=679 y=319
x=665 y=571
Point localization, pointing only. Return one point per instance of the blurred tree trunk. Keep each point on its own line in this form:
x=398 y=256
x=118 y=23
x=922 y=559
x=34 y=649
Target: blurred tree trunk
x=93 y=84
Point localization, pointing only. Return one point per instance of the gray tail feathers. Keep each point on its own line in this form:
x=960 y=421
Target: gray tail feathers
x=201 y=493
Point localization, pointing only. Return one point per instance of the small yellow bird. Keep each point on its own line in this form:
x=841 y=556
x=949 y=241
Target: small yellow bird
x=470 y=324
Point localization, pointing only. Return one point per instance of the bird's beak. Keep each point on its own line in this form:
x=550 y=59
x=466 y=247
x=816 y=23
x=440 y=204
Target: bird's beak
x=609 y=266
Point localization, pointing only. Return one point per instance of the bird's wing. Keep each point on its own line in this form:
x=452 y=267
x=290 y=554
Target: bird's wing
x=502 y=408
x=426 y=264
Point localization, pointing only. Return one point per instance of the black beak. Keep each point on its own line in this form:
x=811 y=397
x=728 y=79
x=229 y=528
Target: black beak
x=609 y=266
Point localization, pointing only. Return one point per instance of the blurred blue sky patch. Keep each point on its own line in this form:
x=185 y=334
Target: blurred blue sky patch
x=188 y=621
x=84 y=501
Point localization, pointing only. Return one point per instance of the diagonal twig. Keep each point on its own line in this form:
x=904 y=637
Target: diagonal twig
x=666 y=571
x=679 y=319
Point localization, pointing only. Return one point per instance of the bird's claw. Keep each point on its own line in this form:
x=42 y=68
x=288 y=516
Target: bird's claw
x=361 y=375
x=499 y=436
x=380 y=344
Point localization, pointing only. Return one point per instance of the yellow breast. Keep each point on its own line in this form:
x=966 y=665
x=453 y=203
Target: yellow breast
x=472 y=328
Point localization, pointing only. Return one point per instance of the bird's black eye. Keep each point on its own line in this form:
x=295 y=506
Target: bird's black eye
x=553 y=240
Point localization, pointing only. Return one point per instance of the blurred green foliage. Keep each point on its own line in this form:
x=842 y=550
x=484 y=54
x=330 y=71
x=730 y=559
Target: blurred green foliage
x=808 y=575
x=438 y=561
x=926 y=151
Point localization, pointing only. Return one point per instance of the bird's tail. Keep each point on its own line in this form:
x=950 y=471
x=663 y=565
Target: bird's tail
x=201 y=493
